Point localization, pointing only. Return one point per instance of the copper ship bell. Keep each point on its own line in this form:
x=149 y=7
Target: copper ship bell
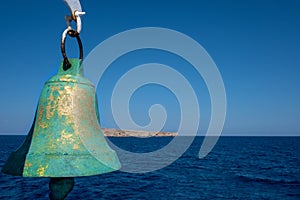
x=65 y=139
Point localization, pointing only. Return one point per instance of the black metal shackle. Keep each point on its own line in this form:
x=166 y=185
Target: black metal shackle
x=71 y=33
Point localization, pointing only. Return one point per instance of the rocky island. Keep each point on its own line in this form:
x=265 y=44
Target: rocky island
x=133 y=133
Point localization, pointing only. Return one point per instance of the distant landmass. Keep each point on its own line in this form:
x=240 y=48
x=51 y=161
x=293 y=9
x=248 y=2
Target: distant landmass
x=134 y=133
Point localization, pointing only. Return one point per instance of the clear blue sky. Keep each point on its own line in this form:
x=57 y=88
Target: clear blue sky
x=255 y=45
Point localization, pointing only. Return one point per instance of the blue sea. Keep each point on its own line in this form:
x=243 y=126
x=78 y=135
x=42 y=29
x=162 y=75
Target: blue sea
x=237 y=168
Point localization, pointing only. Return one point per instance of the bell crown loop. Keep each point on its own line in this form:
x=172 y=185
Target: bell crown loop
x=66 y=63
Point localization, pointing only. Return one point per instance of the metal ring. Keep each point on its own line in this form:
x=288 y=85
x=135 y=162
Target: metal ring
x=72 y=33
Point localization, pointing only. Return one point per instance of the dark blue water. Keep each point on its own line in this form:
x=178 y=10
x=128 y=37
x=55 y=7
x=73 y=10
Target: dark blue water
x=237 y=168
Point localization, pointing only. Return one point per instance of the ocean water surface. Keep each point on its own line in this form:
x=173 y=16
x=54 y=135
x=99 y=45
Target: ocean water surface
x=237 y=168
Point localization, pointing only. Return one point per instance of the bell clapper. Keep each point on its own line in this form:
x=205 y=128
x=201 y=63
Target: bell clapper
x=60 y=187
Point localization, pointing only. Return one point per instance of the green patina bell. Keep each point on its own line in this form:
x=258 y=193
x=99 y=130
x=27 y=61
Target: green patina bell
x=66 y=139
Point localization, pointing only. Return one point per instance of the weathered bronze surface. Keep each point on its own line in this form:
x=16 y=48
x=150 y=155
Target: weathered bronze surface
x=66 y=140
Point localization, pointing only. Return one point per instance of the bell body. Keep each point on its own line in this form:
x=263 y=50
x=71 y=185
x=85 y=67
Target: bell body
x=66 y=140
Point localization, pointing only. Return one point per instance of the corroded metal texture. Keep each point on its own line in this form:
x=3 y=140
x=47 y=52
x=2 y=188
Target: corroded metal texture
x=67 y=140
